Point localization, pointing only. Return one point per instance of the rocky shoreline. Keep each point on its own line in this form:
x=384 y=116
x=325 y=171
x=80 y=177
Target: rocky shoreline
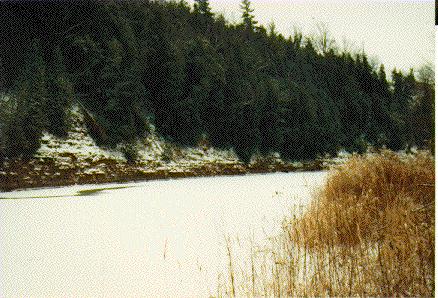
x=77 y=159
x=45 y=172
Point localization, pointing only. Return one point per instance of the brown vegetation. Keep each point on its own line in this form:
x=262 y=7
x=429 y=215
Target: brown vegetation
x=368 y=232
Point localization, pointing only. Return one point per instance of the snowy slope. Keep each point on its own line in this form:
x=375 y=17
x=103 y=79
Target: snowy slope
x=153 y=154
x=77 y=159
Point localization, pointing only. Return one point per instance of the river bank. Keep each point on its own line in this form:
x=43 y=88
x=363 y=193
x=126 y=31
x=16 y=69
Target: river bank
x=77 y=159
x=46 y=172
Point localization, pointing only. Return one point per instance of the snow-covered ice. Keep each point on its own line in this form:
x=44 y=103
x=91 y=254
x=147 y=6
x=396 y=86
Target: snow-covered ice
x=150 y=239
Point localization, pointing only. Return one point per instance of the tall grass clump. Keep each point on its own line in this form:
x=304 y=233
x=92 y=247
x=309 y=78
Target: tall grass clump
x=369 y=232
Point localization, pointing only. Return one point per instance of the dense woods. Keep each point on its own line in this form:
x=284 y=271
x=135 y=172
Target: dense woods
x=195 y=76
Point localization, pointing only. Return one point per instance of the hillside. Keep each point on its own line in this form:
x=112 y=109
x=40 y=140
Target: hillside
x=196 y=79
x=76 y=159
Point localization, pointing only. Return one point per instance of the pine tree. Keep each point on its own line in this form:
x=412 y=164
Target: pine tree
x=193 y=74
x=203 y=7
x=247 y=15
x=60 y=96
x=382 y=74
x=24 y=132
x=272 y=30
x=423 y=109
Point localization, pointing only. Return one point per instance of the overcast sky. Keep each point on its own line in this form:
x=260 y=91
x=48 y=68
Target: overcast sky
x=399 y=33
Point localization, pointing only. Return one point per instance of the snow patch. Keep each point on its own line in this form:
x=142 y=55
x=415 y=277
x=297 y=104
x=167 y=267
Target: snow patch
x=79 y=149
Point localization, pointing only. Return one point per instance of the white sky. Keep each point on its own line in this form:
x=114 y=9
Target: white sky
x=398 y=33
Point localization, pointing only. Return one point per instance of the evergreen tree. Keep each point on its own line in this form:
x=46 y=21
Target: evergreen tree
x=423 y=108
x=402 y=99
x=25 y=129
x=272 y=29
x=248 y=17
x=203 y=7
x=271 y=124
x=60 y=96
x=194 y=75
x=382 y=74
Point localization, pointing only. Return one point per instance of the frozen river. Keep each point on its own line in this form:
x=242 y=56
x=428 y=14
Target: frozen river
x=150 y=239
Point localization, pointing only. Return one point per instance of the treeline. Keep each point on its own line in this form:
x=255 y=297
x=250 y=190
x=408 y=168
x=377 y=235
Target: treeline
x=195 y=76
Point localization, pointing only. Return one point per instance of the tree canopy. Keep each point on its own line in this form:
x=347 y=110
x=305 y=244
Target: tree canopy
x=195 y=76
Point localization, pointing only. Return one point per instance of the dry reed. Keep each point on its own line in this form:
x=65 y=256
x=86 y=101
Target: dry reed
x=369 y=232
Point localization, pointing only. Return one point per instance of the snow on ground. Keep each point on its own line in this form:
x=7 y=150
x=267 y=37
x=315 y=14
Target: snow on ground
x=151 y=150
x=78 y=142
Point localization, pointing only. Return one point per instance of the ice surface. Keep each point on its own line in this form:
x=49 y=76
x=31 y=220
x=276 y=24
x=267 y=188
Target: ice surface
x=150 y=239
